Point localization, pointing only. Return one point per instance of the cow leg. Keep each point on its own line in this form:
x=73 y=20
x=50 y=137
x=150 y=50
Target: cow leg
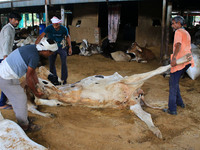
x=47 y=102
x=138 y=78
x=1 y=117
x=33 y=109
x=146 y=117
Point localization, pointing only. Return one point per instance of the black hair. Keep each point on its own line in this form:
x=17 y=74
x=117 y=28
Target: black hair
x=15 y=15
x=50 y=41
x=179 y=19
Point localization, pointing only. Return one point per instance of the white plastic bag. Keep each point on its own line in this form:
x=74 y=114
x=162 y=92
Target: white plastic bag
x=194 y=72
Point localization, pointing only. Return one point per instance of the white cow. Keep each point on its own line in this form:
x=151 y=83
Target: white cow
x=12 y=137
x=112 y=91
x=27 y=41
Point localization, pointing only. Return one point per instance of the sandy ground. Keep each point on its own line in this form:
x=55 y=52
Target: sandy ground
x=82 y=128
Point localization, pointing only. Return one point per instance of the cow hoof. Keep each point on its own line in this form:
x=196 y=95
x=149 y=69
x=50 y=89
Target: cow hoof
x=61 y=104
x=53 y=116
x=159 y=135
x=157 y=132
x=49 y=115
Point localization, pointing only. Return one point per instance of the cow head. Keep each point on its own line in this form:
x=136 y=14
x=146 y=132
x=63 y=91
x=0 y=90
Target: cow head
x=134 y=47
x=135 y=51
x=83 y=47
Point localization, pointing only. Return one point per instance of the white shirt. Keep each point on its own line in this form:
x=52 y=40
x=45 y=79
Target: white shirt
x=7 y=36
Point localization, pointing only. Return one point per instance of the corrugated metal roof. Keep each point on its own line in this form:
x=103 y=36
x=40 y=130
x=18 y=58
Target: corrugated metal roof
x=84 y=1
x=28 y=3
x=7 y=1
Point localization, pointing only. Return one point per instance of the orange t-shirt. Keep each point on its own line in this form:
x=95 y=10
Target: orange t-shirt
x=183 y=37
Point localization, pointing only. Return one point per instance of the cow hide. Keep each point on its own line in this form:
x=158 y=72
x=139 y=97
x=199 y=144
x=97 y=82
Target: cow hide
x=12 y=137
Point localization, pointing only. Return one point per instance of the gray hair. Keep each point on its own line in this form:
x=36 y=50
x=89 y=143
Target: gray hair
x=179 y=19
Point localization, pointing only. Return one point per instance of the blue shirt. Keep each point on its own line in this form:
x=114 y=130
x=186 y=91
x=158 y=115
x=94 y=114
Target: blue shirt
x=56 y=35
x=21 y=58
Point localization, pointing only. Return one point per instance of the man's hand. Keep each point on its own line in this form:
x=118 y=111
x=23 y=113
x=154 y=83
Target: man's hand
x=32 y=80
x=70 y=51
x=5 y=56
x=175 y=53
x=38 y=94
x=173 y=62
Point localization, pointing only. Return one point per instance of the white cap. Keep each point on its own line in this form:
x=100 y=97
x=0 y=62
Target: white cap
x=55 y=20
x=45 y=45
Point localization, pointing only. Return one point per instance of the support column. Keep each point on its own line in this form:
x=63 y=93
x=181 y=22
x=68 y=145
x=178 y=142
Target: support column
x=46 y=13
x=32 y=20
x=163 y=29
x=63 y=15
x=169 y=12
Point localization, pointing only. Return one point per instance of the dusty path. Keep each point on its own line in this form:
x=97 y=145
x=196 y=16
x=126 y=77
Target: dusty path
x=80 y=128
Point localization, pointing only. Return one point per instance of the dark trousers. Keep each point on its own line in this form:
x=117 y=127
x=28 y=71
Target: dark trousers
x=3 y=96
x=174 y=91
x=63 y=57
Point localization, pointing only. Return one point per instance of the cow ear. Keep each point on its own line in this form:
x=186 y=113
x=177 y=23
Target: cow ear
x=139 y=49
x=133 y=44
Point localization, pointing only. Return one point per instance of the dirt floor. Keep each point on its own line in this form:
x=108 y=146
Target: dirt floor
x=82 y=128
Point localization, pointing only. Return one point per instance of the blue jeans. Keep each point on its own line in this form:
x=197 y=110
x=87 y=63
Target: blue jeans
x=174 y=91
x=3 y=96
x=63 y=57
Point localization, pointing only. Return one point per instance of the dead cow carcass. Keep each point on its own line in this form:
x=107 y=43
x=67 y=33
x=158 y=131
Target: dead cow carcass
x=112 y=91
x=12 y=137
x=142 y=55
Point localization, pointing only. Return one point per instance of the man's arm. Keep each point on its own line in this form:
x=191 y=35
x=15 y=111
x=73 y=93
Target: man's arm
x=40 y=37
x=68 y=39
x=176 y=51
x=7 y=44
x=32 y=80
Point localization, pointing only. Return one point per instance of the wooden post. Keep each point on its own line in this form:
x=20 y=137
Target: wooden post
x=46 y=13
x=0 y=23
x=169 y=11
x=32 y=19
x=163 y=29
x=63 y=15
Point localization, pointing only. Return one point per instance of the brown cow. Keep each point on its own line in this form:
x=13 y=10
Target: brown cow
x=141 y=55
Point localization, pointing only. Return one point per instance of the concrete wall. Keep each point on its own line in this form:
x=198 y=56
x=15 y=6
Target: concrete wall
x=146 y=33
x=88 y=15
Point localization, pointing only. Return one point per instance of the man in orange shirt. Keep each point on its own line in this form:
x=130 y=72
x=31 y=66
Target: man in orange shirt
x=181 y=47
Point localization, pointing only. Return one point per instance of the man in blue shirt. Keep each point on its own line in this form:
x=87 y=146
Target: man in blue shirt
x=57 y=32
x=21 y=61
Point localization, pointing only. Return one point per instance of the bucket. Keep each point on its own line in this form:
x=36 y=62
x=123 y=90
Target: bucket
x=41 y=28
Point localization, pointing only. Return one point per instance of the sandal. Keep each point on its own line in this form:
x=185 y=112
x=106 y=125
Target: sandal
x=31 y=119
x=8 y=107
x=31 y=128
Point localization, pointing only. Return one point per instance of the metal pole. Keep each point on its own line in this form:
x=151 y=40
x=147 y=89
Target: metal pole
x=46 y=13
x=169 y=11
x=11 y=5
x=63 y=14
x=0 y=23
x=32 y=20
x=163 y=29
